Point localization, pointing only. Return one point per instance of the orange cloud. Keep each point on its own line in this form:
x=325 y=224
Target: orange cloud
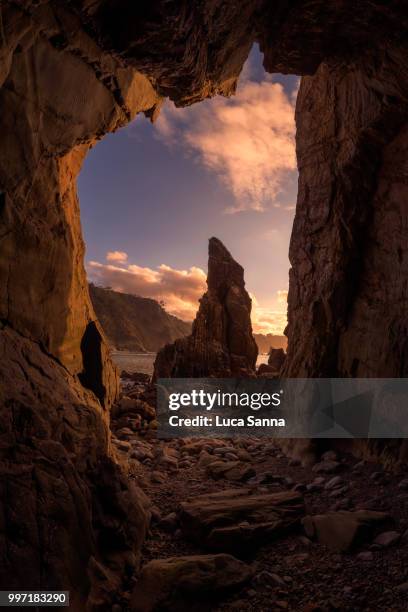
x=282 y=296
x=118 y=256
x=247 y=140
x=179 y=289
x=270 y=320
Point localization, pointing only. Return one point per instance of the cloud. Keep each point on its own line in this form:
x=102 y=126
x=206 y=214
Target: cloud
x=246 y=140
x=179 y=289
x=118 y=256
x=282 y=296
x=270 y=320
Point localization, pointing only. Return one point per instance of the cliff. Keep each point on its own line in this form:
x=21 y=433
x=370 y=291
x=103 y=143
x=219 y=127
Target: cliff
x=221 y=343
x=133 y=323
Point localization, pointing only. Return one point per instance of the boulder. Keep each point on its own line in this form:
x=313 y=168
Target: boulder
x=231 y=470
x=179 y=583
x=130 y=405
x=237 y=521
x=341 y=531
x=276 y=358
x=387 y=538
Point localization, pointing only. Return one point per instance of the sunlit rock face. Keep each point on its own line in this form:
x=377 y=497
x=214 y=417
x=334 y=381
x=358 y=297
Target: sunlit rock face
x=71 y=72
x=221 y=343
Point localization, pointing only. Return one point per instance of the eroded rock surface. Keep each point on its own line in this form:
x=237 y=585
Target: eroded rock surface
x=348 y=245
x=71 y=519
x=221 y=343
x=237 y=521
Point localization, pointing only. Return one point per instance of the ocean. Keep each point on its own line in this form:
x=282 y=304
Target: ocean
x=143 y=362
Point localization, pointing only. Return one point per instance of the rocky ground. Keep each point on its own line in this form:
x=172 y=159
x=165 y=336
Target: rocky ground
x=236 y=525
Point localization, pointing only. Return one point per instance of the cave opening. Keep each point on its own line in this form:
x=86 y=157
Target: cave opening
x=91 y=375
x=152 y=194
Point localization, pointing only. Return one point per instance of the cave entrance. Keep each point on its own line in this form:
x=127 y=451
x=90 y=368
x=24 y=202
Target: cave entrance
x=153 y=194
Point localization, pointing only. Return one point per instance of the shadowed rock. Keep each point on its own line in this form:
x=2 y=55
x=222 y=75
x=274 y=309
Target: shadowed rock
x=276 y=358
x=341 y=531
x=180 y=582
x=221 y=343
x=236 y=521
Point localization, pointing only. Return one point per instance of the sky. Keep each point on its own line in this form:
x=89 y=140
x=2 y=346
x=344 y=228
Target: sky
x=152 y=195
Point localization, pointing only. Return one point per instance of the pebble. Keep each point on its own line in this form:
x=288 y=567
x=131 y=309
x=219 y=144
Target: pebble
x=231 y=456
x=124 y=433
x=320 y=480
x=243 y=455
x=141 y=455
x=276 y=579
x=333 y=482
x=366 y=555
x=156 y=514
x=330 y=455
x=387 y=538
x=304 y=541
x=294 y=462
x=169 y=522
x=223 y=450
x=342 y=504
x=253 y=448
x=326 y=467
x=205 y=459
x=312 y=488
x=339 y=492
x=157 y=477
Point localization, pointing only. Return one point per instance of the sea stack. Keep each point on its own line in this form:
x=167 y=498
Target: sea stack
x=221 y=343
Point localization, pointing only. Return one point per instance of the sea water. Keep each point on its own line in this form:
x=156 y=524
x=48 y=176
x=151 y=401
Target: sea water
x=143 y=362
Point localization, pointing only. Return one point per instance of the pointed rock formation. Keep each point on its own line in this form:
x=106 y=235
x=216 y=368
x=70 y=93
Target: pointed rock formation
x=221 y=343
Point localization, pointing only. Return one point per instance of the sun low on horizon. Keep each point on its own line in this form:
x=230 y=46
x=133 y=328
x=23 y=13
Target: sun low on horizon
x=153 y=194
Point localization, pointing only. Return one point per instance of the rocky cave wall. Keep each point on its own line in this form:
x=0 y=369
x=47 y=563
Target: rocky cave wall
x=347 y=311
x=70 y=72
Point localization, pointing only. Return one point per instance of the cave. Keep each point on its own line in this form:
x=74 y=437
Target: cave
x=71 y=72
